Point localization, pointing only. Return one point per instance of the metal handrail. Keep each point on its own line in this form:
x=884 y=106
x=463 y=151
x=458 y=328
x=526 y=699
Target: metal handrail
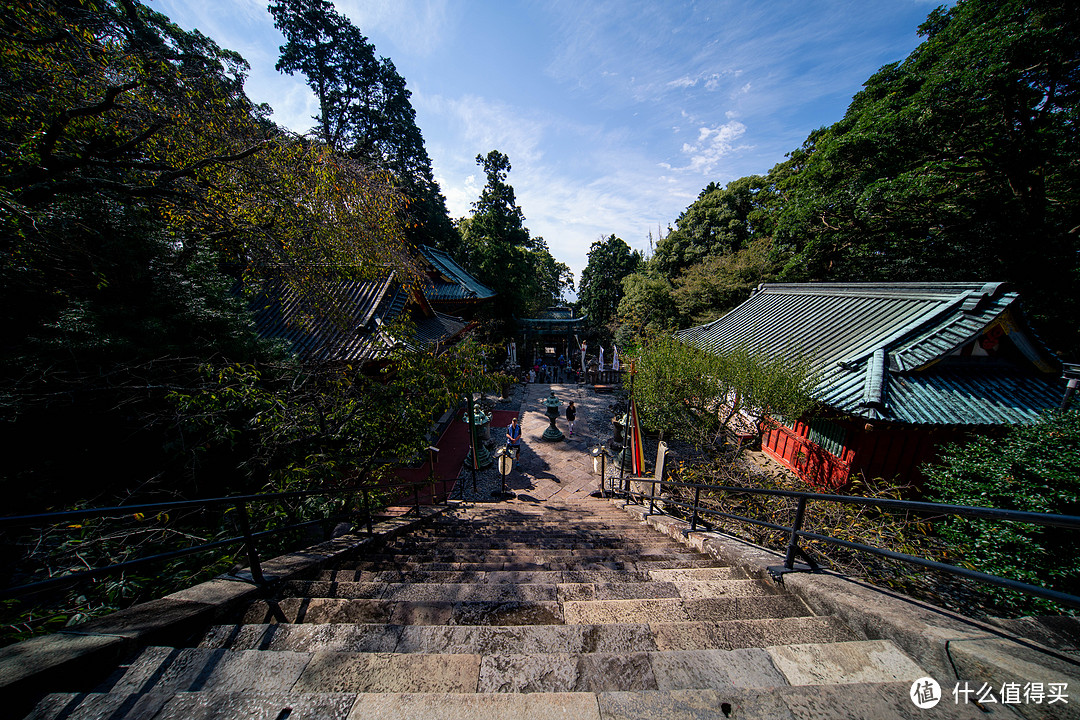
x=1065 y=521
x=796 y=532
x=240 y=502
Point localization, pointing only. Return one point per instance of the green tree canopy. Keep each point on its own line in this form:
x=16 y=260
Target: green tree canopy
x=695 y=394
x=138 y=187
x=498 y=249
x=647 y=305
x=600 y=290
x=365 y=109
x=958 y=163
x=721 y=221
x=716 y=284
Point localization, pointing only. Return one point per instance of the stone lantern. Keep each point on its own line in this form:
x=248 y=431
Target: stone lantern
x=552 y=433
x=481 y=426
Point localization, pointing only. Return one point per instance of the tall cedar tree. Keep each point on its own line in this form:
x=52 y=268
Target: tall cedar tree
x=600 y=290
x=498 y=249
x=365 y=109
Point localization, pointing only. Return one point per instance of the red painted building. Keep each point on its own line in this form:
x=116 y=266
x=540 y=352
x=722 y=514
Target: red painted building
x=903 y=369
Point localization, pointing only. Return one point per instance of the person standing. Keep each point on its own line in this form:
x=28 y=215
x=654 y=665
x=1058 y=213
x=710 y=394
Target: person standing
x=571 y=415
x=513 y=437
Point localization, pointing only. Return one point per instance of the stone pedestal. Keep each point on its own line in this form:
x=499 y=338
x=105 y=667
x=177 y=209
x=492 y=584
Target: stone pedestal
x=552 y=433
x=482 y=427
x=482 y=455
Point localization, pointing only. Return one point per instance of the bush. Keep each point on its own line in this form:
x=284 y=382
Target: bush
x=877 y=527
x=1033 y=468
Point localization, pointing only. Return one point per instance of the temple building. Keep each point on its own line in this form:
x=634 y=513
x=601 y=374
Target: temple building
x=902 y=368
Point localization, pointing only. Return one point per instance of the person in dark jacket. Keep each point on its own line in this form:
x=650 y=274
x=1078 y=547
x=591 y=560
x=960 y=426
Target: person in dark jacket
x=571 y=415
x=513 y=437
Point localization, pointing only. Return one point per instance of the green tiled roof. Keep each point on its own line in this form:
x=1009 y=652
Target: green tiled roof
x=553 y=321
x=895 y=351
x=453 y=283
x=359 y=336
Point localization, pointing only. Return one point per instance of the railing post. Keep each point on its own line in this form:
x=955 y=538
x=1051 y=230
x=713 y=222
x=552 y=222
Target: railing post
x=693 y=519
x=603 y=471
x=793 y=541
x=433 y=452
x=249 y=543
x=367 y=512
x=652 y=497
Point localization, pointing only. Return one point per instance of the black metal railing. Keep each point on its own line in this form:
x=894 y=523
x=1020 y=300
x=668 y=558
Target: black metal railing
x=694 y=510
x=241 y=503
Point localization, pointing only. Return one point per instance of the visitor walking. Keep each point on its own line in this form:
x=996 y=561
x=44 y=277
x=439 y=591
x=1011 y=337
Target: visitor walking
x=571 y=415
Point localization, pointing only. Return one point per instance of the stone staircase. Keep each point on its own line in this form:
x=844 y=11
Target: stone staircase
x=518 y=610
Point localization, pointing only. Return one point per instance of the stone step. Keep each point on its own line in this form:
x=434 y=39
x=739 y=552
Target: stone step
x=494 y=639
x=853 y=701
x=522 y=612
x=530 y=576
x=477 y=576
x=202 y=706
x=336 y=610
x=420 y=545
x=568 y=532
x=169 y=670
x=536 y=522
x=532 y=528
x=529 y=592
x=593 y=612
x=529 y=555
x=641 y=565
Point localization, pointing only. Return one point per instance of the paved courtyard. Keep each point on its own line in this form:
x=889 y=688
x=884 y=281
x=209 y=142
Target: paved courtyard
x=560 y=470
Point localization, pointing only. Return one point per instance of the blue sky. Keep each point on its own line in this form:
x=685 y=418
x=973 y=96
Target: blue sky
x=614 y=114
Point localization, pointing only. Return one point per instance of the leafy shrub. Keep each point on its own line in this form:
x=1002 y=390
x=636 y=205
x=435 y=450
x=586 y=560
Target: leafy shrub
x=892 y=530
x=1033 y=468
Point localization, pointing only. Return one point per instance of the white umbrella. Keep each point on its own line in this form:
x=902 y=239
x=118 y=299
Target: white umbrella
x=615 y=360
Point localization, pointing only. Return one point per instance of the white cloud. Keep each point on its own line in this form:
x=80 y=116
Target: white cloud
x=712 y=144
x=417 y=27
x=481 y=124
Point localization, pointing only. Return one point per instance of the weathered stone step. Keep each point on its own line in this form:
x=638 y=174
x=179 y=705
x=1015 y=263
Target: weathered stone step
x=476 y=576
x=336 y=610
x=421 y=545
x=168 y=670
x=530 y=528
x=592 y=612
x=530 y=576
x=849 y=701
x=522 y=612
x=530 y=592
x=641 y=565
x=537 y=522
x=201 y=706
x=601 y=532
x=493 y=639
x=528 y=555
x=882 y=701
